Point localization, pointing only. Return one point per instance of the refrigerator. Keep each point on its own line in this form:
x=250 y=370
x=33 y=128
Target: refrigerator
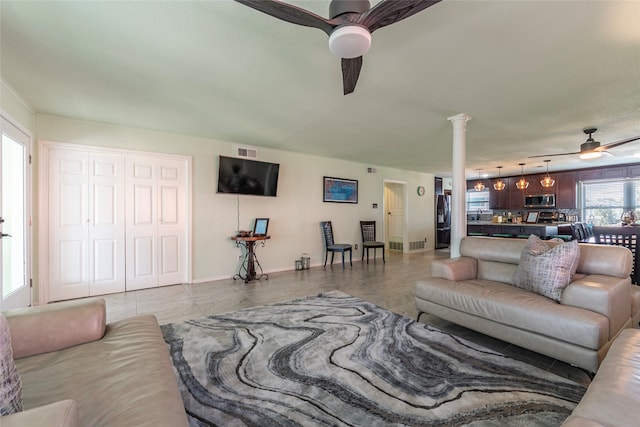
x=443 y=221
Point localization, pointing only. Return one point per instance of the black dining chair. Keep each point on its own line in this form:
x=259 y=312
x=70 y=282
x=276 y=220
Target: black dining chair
x=368 y=231
x=332 y=246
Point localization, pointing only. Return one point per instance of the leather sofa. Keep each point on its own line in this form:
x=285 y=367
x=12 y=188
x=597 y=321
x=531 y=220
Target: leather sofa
x=613 y=397
x=76 y=370
x=476 y=291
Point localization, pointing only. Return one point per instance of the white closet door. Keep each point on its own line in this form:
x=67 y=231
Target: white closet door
x=156 y=223
x=86 y=244
x=141 y=223
x=171 y=225
x=106 y=225
x=68 y=224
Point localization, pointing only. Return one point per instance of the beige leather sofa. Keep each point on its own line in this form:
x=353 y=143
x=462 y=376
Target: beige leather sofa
x=78 y=371
x=475 y=291
x=613 y=397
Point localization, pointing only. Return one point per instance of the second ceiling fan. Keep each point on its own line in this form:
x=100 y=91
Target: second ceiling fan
x=591 y=149
x=349 y=26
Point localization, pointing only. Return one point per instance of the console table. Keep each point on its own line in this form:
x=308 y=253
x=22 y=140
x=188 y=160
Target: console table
x=247 y=270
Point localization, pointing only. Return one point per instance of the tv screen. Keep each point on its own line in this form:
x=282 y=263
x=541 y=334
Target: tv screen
x=243 y=176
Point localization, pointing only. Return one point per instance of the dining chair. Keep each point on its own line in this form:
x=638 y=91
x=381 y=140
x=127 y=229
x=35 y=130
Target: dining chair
x=368 y=231
x=332 y=246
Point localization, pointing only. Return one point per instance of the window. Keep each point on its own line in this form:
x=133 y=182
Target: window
x=477 y=200
x=603 y=203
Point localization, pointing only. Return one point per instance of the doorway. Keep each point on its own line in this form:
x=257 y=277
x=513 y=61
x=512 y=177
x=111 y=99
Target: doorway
x=15 y=214
x=395 y=219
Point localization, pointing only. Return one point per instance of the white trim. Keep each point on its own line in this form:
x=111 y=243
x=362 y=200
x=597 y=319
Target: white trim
x=29 y=202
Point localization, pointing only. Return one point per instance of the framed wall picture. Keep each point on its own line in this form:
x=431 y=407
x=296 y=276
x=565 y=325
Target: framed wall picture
x=532 y=217
x=340 y=190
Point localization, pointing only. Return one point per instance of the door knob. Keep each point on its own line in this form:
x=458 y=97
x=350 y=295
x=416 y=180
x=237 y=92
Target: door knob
x=4 y=235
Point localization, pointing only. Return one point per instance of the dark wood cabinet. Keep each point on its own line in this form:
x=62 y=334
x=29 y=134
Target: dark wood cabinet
x=534 y=185
x=516 y=196
x=566 y=190
x=499 y=199
x=472 y=182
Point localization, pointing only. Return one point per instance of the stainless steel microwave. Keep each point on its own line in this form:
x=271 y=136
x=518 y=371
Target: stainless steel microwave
x=540 y=201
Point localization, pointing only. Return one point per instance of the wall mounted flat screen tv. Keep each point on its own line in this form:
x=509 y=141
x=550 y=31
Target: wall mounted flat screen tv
x=244 y=176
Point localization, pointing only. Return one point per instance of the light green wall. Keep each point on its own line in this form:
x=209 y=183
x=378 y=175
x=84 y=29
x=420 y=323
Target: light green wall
x=295 y=213
x=15 y=108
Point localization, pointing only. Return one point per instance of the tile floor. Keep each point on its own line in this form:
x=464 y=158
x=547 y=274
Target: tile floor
x=388 y=285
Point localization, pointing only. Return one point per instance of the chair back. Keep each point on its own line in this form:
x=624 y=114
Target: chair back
x=628 y=237
x=368 y=230
x=327 y=232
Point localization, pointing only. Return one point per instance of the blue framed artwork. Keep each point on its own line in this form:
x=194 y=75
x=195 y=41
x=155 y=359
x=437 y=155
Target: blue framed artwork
x=340 y=190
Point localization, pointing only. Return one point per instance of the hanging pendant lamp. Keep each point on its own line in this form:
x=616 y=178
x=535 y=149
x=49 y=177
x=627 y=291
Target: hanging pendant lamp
x=547 y=182
x=479 y=185
x=499 y=185
x=522 y=183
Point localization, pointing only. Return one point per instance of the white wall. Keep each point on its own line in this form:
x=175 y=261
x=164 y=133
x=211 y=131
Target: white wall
x=294 y=214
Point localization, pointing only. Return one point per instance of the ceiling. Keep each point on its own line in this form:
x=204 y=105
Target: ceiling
x=531 y=74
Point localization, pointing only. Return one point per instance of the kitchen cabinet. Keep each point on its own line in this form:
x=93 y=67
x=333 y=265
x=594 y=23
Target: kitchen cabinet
x=602 y=173
x=472 y=182
x=566 y=184
x=499 y=199
x=516 y=196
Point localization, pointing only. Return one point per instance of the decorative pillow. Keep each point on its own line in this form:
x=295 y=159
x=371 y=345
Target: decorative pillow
x=10 y=384
x=547 y=270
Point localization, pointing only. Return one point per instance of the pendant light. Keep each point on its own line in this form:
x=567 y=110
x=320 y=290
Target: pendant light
x=479 y=185
x=522 y=184
x=547 y=182
x=499 y=185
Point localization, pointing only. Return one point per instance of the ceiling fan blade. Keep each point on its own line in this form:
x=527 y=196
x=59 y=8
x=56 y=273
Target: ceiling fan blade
x=388 y=12
x=292 y=14
x=350 y=72
x=618 y=143
x=553 y=155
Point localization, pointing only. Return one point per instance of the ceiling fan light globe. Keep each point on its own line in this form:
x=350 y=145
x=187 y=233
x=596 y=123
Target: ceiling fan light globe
x=349 y=41
x=591 y=155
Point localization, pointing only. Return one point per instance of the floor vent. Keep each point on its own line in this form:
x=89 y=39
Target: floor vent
x=416 y=245
x=395 y=246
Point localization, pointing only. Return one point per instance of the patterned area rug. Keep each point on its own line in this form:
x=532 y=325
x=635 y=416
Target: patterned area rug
x=335 y=360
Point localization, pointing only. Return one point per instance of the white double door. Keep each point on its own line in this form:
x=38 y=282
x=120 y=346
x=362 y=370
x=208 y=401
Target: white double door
x=116 y=222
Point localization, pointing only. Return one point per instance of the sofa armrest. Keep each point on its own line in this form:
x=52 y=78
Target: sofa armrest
x=456 y=269
x=59 y=414
x=607 y=295
x=52 y=327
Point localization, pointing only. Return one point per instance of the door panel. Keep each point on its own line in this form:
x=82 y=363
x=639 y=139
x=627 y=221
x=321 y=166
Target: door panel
x=394 y=203
x=68 y=225
x=15 y=214
x=106 y=228
x=142 y=224
x=86 y=224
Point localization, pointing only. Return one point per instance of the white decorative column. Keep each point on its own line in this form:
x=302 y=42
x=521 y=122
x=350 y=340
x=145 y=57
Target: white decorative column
x=458 y=182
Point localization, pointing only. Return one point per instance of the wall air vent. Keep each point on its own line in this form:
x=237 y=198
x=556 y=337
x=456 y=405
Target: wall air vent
x=249 y=153
x=416 y=245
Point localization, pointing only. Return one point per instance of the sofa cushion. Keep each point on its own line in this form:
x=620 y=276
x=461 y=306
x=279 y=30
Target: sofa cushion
x=517 y=308
x=58 y=414
x=10 y=384
x=547 y=270
x=124 y=379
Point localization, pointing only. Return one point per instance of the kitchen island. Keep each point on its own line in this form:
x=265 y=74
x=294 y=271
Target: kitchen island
x=508 y=229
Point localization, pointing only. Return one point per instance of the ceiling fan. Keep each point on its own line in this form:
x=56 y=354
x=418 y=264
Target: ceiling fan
x=349 y=27
x=591 y=149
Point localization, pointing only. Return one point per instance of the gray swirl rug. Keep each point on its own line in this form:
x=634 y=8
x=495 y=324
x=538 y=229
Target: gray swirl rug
x=335 y=360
